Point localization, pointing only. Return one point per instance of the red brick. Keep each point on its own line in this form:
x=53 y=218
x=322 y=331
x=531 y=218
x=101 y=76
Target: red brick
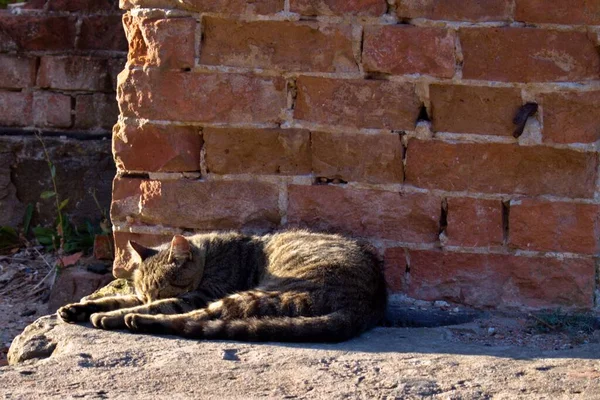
x=15 y=109
x=395 y=269
x=28 y=32
x=528 y=55
x=385 y=215
x=456 y=10
x=197 y=204
x=82 y=5
x=571 y=117
x=102 y=32
x=162 y=148
x=367 y=8
x=74 y=73
x=554 y=226
x=474 y=222
x=167 y=43
x=365 y=158
x=501 y=281
x=214 y=6
x=559 y=11
x=51 y=110
x=360 y=103
x=115 y=65
x=474 y=109
x=202 y=97
x=404 y=49
x=500 y=168
x=122 y=267
x=290 y=46
x=18 y=72
x=97 y=110
x=257 y=151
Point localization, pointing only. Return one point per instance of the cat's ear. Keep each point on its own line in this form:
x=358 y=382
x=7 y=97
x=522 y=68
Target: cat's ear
x=138 y=252
x=180 y=249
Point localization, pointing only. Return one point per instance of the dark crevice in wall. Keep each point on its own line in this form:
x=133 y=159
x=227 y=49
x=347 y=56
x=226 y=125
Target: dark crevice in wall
x=443 y=216
x=505 y=215
x=423 y=114
x=76 y=135
x=377 y=76
x=135 y=175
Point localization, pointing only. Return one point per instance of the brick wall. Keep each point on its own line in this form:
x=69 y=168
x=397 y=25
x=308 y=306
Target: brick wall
x=59 y=61
x=388 y=121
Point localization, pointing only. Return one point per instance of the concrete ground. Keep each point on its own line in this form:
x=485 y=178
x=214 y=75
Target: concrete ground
x=386 y=363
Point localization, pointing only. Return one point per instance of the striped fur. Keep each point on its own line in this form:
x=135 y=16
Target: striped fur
x=292 y=286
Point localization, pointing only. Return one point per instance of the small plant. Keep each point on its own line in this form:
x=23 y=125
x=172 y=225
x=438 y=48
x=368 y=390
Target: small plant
x=558 y=321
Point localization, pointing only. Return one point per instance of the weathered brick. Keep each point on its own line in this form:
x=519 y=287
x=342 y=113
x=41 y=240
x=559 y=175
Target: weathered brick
x=395 y=269
x=97 y=110
x=360 y=103
x=15 y=109
x=554 y=226
x=386 y=215
x=474 y=109
x=500 y=168
x=559 y=11
x=28 y=32
x=404 y=49
x=122 y=267
x=51 y=110
x=571 y=117
x=528 y=55
x=474 y=222
x=370 y=8
x=197 y=204
x=501 y=281
x=219 y=6
x=167 y=43
x=365 y=158
x=115 y=66
x=102 y=32
x=18 y=72
x=74 y=73
x=290 y=46
x=257 y=151
x=456 y=10
x=157 y=148
x=203 y=97
x=82 y=5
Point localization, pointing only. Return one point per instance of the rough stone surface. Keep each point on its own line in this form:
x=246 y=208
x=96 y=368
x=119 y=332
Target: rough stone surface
x=363 y=104
x=365 y=158
x=571 y=117
x=257 y=151
x=166 y=43
x=371 y=8
x=501 y=281
x=201 y=97
x=208 y=205
x=403 y=49
x=72 y=284
x=455 y=10
x=391 y=362
x=474 y=109
x=157 y=148
x=561 y=12
x=554 y=226
x=386 y=215
x=284 y=45
x=500 y=168
x=528 y=55
x=474 y=222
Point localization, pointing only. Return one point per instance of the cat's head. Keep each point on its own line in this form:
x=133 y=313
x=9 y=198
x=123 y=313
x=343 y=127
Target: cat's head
x=166 y=272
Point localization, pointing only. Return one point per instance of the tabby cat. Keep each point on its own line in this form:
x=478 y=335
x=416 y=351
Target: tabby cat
x=296 y=286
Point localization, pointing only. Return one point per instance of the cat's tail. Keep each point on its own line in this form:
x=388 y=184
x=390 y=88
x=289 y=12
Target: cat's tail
x=335 y=327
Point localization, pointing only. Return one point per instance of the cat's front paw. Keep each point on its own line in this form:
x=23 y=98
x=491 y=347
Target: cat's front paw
x=71 y=313
x=108 y=320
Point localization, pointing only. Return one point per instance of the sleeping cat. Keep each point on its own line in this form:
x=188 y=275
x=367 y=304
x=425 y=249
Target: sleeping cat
x=293 y=286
